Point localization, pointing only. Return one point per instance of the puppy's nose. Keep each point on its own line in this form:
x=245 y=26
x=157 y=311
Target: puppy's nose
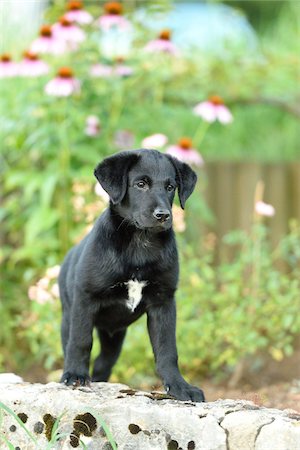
x=162 y=215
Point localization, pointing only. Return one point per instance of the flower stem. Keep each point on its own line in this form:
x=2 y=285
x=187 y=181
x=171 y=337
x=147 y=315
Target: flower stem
x=64 y=201
x=257 y=239
x=200 y=133
x=117 y=102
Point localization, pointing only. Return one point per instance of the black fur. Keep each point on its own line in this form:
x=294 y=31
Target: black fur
x=132 y=240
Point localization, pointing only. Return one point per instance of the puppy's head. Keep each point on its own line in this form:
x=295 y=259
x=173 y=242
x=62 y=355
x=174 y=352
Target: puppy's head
x=141 y=185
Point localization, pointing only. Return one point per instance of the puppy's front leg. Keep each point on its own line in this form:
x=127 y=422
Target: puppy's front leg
x=162 y=330
x=80 y=340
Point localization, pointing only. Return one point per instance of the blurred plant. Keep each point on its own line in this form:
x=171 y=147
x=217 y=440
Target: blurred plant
x=240 y=308
x=213 y=109
x=47 y=146
x=8 y=68
x=76 y=13
x=157 y=140
x=64 y=84
x=162 y=44
x=113 y=17
x=47 y=42
x=92 y=127
x=264 y=209
x=32 y=66
x=185 y=152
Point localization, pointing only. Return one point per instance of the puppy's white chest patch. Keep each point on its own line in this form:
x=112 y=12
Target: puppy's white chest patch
x=135 y=289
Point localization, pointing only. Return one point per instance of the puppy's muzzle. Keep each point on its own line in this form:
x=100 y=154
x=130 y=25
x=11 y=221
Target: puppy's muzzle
x=161 y=215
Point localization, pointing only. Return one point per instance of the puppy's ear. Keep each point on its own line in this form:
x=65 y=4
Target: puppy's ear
x=186 y=179
x=112 y=174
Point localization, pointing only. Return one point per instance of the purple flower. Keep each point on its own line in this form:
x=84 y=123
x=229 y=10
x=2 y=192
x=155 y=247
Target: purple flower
x=48 y=43
x=213 y=109
x=162 y=44
x=113 y=17
x=32 y=66
x=76 y=13
x=63 y=85
x=92 y=127
x=185 y=153
x=8 y=68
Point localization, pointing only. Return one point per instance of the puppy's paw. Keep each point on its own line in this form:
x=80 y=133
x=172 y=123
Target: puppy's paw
x=186 y=392
x=75 y=380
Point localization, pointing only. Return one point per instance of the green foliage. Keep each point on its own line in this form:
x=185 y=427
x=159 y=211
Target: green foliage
x=247 y=304
x=44 y=151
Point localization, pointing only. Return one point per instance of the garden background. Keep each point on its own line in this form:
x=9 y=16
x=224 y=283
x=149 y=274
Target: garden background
x=217 y=84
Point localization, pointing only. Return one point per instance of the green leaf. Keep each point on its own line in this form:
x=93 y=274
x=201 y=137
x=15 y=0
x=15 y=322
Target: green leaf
x=41 y=220
x=47 y=189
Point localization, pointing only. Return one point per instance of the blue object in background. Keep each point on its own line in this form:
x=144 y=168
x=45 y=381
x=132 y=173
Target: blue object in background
x=213 y=28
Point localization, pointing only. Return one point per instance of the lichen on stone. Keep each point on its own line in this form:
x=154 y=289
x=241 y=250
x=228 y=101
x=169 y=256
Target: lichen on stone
x=38 y=427
x=134 y=429
x=74 y=438
x=85 y=424
x=173 y=445
x=23 y=417
x=49 y=421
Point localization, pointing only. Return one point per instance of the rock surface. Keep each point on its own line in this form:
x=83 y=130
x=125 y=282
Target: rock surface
x=53 y=416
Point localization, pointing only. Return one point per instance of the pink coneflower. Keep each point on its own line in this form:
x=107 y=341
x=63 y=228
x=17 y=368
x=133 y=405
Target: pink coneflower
x=76 y=13
x=8 y=68
x=64 y=84
x=48 y=43
x=185 y=152
x=68 y=32
x=155 y=141
x=32 y=66
x=264 y=209
x=213 y=109
x=113 y=17
x=92 y=127
x=162 y=44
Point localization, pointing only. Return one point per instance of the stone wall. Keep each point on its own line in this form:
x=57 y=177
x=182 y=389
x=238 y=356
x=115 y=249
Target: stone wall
x=58 y=417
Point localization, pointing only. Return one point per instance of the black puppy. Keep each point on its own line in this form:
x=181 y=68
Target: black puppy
x=126 y=266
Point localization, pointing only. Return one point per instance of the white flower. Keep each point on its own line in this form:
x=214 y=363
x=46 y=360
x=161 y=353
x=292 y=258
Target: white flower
x=155 y=141
x=264 y=209
x=101 y=192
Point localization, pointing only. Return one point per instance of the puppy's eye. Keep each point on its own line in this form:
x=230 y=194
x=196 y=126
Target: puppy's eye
x=170 y=188
x=141 y=184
